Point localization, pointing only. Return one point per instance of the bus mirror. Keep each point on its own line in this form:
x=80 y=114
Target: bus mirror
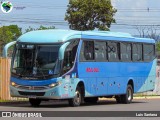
x=5 y=49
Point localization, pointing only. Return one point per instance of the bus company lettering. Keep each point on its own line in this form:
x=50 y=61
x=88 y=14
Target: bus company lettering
x=92 y=69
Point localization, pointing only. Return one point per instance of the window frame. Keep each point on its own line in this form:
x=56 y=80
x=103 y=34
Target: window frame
x=105 y=53
x=141 y=44
x=154 y=52
x=131 y=47
x=118 y=42
x=118 y=50
x=82 y=48
x=65 y=51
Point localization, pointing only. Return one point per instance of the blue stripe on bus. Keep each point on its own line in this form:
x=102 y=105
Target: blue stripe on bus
x=33 y=82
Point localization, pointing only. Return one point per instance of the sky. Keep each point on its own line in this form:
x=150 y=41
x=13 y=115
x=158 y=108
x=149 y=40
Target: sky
x=130 y=13
x=135 y=13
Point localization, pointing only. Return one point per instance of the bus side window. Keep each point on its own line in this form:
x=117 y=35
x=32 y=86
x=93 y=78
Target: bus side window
x=148 y=52
x=113 y=51
x=125 y=51
x=70 y=55
x=100 y=51
x=87 y=51
x=136 y=52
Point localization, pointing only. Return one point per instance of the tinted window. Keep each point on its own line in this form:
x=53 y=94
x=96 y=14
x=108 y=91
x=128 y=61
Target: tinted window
x=87 y=51
x=125 y=51
x=41 y=62
x=100 y=51
x=137 y=52
x=70 y=55
x=113 y=51
x=148 y=52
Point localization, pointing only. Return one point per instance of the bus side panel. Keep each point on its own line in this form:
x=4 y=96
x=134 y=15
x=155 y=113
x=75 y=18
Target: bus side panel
x=148 y=81
x=101 y=86
x=112 y=77
x=90 y=86
x=102 y=78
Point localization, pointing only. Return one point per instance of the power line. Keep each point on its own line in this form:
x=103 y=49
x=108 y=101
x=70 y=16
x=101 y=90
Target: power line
x=65 y=23
x=35 y=22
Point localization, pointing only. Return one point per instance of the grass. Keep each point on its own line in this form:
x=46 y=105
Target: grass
x=5 y=100
x=14 y=100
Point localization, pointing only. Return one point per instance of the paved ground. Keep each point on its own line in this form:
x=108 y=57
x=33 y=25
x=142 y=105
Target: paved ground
x=145 y=104
x=103 y=105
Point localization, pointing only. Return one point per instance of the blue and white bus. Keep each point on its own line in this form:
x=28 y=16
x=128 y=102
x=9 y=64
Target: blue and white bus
x=81 y=66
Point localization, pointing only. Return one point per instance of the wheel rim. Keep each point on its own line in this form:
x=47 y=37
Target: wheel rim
x=129 y=94
x=77 y=98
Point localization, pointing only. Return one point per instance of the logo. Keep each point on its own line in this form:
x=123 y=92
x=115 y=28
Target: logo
x=6 y=114
x=6 y=6
x=31 y=88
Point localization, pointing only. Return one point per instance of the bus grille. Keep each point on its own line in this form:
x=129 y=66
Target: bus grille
x=32 y=87
x=32 y=93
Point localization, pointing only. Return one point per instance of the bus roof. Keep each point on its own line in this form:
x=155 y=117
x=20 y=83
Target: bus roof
x=57 y=35
x=47 y=36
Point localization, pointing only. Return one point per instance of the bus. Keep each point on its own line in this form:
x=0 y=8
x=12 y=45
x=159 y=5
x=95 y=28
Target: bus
x=81 y=66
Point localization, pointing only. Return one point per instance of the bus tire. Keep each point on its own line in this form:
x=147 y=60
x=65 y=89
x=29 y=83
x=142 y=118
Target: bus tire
x=127 y=98
x=77 y=100
x=34 y=102
x=118 y=99
x=91 y=100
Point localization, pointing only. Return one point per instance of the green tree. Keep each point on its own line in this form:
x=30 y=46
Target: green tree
x=40 y=28
x=29 y=29
x=158 y=48
x=45 y=28
x=5 y=36
x=15 y=30
x=90 y=14
x=8 y=34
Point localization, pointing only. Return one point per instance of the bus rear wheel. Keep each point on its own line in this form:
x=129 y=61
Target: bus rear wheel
x=77 y=100
x=91 y=100
x=118 y=98
x=34 y=102
x=127 y=98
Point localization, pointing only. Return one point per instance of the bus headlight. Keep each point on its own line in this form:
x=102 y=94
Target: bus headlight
x=13 y=84
x=55 y=84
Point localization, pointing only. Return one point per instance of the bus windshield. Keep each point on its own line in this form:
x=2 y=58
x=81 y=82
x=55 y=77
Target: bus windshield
x=36 y=61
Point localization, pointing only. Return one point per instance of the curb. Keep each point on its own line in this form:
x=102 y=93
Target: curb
x=134 y=98
x=147 y=97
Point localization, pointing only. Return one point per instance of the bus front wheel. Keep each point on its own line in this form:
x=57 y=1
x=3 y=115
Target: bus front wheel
x=34 y=102
x=76 y=101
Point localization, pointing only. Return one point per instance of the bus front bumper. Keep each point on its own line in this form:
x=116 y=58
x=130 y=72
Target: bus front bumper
x=52 y=93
